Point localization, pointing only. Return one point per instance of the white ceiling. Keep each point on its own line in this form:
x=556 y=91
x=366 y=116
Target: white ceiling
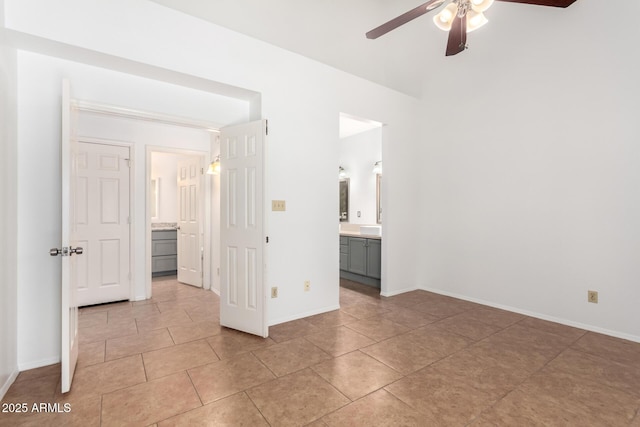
x=333 y=32
x=351 y=125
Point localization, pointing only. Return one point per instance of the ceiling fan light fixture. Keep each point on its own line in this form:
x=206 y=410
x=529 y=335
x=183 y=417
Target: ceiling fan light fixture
x=444 y=19
x=475 y=20
x=481 y=5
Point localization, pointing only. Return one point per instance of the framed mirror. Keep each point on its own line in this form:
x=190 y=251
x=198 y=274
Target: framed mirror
x=343 y=214
x=378 y=198
x=155 y=197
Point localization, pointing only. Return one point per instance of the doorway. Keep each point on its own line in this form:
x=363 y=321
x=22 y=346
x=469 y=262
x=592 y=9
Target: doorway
x=360 y=209
x=178 y=219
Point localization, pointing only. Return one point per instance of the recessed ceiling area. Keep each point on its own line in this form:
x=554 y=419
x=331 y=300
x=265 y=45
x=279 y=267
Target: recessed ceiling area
x=407 y=60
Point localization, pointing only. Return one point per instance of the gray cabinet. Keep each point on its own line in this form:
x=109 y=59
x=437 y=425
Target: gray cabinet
x=374 y=255
x=358 y=255
x=360 y=259
x=164 y=252
x=344 y=253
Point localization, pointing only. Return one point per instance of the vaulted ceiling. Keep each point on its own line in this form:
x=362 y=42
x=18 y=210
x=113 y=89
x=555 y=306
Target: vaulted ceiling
x=407 y=60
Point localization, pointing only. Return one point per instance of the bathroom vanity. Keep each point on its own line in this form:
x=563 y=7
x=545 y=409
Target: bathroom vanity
x=360 y=258
x=164 y=251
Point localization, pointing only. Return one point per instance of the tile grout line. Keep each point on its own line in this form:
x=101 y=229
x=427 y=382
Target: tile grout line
x=194 y=387
x=254 y=404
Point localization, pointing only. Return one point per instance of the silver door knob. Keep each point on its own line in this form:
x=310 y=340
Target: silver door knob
x=66 y=251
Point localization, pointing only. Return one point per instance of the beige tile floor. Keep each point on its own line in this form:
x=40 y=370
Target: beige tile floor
x=416 y=359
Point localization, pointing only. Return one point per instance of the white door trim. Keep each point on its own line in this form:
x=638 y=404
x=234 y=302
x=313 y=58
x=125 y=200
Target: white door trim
x=131 y=113
x=132 y=198
x=206 y=210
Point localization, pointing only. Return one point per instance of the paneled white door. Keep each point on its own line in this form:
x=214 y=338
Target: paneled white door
x=69 y=251
x=189 y=222
x=242 y=293
x=102 y=218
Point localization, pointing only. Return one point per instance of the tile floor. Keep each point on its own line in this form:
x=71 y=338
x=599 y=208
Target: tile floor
x=414 y=359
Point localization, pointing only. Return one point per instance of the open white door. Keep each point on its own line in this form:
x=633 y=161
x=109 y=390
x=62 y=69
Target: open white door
x=69 y=308
x=242 y=239
x=189 y=257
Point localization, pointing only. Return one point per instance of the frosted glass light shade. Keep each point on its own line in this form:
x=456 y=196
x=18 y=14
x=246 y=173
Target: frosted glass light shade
x=475 y=20
x=214 y=167
x=481 y=5
x=377 y=167
x=444 y=19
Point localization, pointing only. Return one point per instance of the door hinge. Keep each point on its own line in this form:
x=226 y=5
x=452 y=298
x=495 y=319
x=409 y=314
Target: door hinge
x=201 y=171
x=266 y=127
x=267 y=239
x=128 y=220
x=128 y=162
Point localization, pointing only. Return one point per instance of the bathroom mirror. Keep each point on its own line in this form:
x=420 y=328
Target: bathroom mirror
x=378 y=198
x=344 y=200
x=154 y=196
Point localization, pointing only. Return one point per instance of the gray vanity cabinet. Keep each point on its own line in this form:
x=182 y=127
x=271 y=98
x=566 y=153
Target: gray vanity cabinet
x=374 y=254
x=164 y=252
x=344 y=253
x=358 y=255
x=360 y=259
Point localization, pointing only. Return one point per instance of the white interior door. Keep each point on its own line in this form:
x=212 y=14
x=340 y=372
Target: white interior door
x=242 y=294
x=69 y=308
x=102 y=221
x=189 y=222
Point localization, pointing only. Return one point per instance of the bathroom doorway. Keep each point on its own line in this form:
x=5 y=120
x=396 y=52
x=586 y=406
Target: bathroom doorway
x=178 y=215
x=360 y=210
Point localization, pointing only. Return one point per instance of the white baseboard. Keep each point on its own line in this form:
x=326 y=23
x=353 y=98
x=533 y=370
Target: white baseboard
x=38 y=364
x=8 y=382
x=305 y=314
x=398 y=292
x=562 y=321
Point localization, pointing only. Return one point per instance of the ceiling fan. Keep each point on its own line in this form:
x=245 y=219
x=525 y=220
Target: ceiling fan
x=459 y=17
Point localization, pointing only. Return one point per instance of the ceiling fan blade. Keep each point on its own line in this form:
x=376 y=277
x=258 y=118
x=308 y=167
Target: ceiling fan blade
x=554 y=3
x=457 y=36
x=404 y=18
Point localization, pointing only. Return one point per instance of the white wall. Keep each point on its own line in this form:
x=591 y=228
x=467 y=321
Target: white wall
x=358 y=154
x=531 y=171
x=302 y=100
x=8 y=215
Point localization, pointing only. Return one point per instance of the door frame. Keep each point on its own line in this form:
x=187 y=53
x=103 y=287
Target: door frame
x=132 y=198
x=382 y=189
x=205 y=209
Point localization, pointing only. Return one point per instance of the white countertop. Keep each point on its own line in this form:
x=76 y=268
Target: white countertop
x=358 y=234
x=164 y=226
